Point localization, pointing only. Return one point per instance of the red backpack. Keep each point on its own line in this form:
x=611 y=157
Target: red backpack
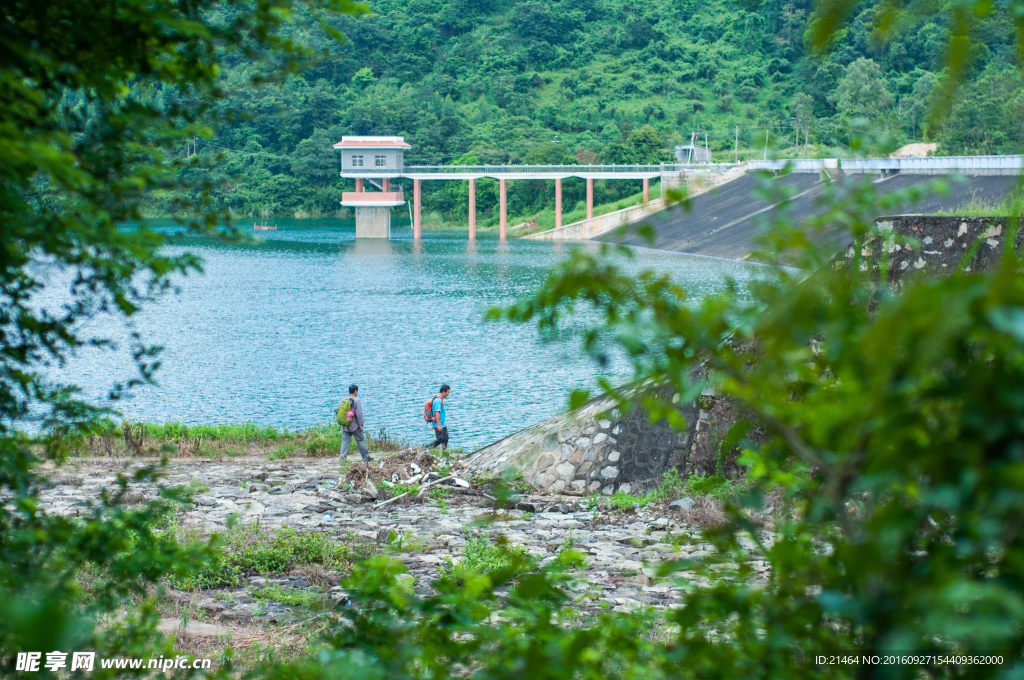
x=428 y=410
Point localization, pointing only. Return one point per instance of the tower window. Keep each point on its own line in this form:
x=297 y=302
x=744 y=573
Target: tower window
x=357 y=161
x=380 y=161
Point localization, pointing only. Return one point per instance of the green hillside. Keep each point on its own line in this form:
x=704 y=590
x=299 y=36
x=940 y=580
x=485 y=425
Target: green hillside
x=496 y=81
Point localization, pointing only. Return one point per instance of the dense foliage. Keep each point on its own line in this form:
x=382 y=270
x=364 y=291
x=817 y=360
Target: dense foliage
x=82 y=142
x=568 y=81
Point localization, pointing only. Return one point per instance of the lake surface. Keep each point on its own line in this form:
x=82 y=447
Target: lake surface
x=275 y=331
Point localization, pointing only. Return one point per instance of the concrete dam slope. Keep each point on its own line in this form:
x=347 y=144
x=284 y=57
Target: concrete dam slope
x=725 y=221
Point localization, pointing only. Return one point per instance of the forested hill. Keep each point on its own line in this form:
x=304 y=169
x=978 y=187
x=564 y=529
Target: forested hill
x=593 y=80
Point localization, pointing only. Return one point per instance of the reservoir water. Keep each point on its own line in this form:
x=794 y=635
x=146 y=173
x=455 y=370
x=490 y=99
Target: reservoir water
x=273 y=332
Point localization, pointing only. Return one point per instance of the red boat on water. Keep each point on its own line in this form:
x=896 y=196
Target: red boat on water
x=264 y=227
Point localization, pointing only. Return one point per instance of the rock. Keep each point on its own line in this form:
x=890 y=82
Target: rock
x=662 y=548
x=684 y=504
x=610 y=472
x=368 y=489
x=661 y=521
x=238 y=614
x=461 y=482
x=261 y=476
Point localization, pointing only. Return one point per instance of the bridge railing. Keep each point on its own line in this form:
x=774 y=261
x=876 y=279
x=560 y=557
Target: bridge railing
x=525 y=169
x=968 y=165
x=533 y=169
x=796 y=165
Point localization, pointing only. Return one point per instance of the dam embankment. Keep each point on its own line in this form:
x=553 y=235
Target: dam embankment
x=725 y=221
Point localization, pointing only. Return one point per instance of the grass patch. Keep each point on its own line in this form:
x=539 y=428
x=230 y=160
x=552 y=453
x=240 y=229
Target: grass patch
x=253 y=549
x=481 y=557
x=673 y=486
x=977 y=207
x=397 y=489
x=108 y=438
x=309 y=599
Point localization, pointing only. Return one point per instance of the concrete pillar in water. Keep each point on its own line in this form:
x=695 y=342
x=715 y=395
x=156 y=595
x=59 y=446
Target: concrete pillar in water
x=503 y=228
x=359 y=185
x=647 y=191
x=590 y=198
x=472 y=210
x=558 y=203
x=373 y=222
x=416 y=209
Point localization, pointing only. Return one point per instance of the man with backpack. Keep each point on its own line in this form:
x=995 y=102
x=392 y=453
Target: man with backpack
x=350 y=417
x=434 y=414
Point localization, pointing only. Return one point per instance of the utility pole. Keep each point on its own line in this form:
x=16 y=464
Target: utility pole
x=737 y=160
x=766 y=143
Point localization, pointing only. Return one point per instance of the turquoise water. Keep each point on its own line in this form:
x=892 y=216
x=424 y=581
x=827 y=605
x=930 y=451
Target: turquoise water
x=273 y=332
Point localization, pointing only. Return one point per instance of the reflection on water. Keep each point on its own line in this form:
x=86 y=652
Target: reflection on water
x=275 y=331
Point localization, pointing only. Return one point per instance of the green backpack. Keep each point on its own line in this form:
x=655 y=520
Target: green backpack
x=345 y=413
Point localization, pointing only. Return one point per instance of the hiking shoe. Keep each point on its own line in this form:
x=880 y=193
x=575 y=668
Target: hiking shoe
x=369 y=459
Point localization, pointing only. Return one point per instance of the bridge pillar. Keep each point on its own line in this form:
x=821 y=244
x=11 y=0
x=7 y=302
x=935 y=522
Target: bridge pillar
x=647 y=191
x=359 y=185
x=503 y=223
x=416 y=232
x=558 y=203
x=472 y=210
x=590 y=198
x=373 y=222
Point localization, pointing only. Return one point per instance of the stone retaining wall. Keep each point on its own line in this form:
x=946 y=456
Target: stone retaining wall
x=584 y=229
x=597 y=450
x=941 y=244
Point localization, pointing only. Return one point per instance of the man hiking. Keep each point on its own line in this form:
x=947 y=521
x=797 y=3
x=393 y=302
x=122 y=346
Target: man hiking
x=352 y=425
x=436 y=418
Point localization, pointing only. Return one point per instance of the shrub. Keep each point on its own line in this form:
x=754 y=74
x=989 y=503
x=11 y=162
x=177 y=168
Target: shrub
x=483 y=558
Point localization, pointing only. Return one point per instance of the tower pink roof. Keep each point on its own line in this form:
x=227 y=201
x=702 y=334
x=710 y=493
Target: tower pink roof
x=372 y=143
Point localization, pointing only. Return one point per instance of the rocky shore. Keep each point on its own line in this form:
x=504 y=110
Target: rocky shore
x=623 y=548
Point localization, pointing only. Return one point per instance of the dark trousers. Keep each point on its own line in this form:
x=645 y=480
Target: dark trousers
x=440 y=437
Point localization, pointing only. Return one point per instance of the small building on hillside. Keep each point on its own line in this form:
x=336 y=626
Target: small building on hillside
x=372 y=156
x=377 y=160
x=688 y=153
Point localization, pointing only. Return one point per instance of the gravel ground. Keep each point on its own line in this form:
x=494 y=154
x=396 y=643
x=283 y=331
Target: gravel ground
x=623 y=548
